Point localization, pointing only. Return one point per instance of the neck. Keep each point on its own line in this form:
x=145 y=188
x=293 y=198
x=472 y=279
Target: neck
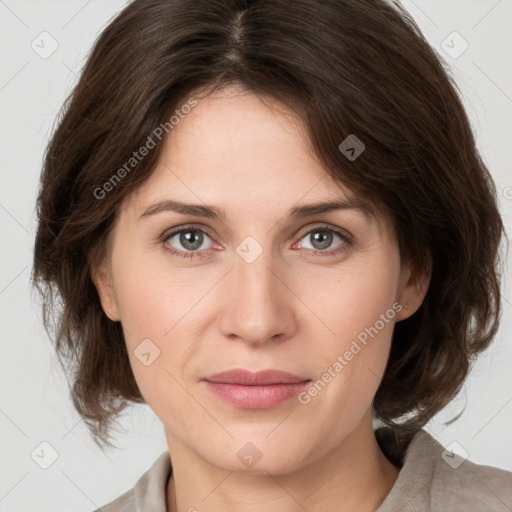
x=355 y=475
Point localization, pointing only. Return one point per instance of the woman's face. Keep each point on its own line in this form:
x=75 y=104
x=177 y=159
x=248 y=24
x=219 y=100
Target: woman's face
x=254 y=288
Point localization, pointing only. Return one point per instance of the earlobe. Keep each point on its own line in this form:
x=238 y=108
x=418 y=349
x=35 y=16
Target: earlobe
x=414 y=291
x=102 y=278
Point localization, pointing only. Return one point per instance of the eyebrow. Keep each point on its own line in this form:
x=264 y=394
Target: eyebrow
x=296 y=212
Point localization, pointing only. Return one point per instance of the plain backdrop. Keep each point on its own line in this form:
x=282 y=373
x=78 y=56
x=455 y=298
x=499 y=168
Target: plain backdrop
x=35 y=406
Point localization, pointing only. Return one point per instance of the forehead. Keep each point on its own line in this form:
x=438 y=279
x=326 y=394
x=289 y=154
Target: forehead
x=241 y=152
x=236 y=140
x=237 y=130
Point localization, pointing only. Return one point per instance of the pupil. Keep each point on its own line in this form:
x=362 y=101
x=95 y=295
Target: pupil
x=322 y=241
x=187 y=237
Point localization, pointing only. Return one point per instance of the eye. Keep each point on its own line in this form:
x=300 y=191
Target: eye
x=322 y=237
x=187 y=242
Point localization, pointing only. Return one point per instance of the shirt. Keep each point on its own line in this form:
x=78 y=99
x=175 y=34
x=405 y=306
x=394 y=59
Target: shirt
x=431 y=479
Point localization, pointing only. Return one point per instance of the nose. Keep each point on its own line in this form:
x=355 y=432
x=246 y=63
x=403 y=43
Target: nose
x=259 y=305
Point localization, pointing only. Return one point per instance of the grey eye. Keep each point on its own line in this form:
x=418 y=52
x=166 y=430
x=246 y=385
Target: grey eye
x=190 y=239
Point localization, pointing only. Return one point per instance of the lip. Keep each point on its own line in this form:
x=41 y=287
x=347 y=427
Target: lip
x=255 y=390
x=248 y=378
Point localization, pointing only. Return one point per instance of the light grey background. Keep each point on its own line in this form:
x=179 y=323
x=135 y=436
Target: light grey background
x=34 y=395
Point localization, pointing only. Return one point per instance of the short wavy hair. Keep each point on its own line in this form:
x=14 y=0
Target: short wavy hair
x=344 y=67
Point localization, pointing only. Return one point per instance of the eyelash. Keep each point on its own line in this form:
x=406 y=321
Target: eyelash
x=201 y=254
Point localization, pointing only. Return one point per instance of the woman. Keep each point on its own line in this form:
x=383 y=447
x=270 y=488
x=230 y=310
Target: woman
x=268 y=221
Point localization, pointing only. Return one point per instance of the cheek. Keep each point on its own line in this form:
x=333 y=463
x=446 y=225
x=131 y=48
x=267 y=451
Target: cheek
x=150 y=314
x=353 y=298
x=356 y=308
x=156 y=305
x=151 y=298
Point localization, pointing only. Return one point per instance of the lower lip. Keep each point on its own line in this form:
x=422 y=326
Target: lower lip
x=256 y=397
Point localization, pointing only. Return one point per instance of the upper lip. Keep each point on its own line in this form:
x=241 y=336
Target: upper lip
x=249 y=378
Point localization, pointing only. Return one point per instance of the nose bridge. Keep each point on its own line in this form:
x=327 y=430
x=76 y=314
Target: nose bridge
x=253 y=264
x=254 y=277
x=257 y=309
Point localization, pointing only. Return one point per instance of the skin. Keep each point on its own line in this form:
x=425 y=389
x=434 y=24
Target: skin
x=292 y=308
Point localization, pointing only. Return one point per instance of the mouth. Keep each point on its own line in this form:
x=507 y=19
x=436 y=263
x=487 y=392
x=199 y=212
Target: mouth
x=255 y=390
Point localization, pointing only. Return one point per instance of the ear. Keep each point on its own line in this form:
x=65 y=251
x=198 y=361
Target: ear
x=412 y=290
x=102 y=278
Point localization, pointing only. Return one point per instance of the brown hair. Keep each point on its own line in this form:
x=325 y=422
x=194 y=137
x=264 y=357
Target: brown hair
x=345 y=67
